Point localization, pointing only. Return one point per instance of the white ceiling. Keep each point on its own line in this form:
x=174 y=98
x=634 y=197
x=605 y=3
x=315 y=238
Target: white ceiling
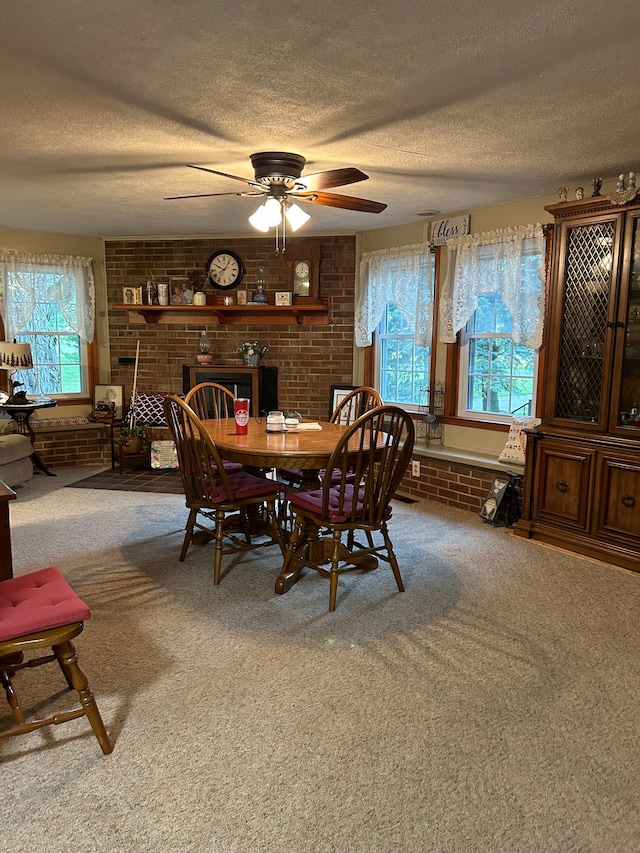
x=445 y=105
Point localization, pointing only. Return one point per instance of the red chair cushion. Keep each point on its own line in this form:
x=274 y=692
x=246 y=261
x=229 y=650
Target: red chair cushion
x=231 y=467
x=245 y=485
x=37 y=602
x=312 y=502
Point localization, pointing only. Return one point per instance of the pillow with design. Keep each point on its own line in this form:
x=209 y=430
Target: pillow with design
x=516 y=446
x=149 y=409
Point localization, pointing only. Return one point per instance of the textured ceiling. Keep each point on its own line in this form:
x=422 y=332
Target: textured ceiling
x=447 y=106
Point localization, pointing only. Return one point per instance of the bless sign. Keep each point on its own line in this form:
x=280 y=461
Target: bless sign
x=444 y=229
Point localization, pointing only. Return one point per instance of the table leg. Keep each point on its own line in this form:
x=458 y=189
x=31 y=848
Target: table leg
x=37 y=461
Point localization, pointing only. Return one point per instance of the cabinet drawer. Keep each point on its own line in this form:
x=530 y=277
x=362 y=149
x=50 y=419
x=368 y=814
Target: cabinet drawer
x=562 y=480
x=617 y=510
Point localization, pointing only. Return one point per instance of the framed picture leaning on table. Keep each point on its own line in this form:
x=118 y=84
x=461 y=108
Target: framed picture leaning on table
x=107 y=398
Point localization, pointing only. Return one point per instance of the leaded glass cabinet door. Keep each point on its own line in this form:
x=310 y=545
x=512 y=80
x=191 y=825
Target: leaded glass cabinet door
x=625 y=414
x=588 y=266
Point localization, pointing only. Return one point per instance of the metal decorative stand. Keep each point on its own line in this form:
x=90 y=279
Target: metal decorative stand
x=432 y=412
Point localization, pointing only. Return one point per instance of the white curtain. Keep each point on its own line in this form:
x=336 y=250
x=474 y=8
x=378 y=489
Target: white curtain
x=27 y=279
x=510 y=261
x=401 y=275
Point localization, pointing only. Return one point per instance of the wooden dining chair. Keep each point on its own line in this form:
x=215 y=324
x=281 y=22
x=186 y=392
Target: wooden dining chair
x=211 y=400
x=368 y=463
x=238 y=504
x=41 y=611
x=356 y=403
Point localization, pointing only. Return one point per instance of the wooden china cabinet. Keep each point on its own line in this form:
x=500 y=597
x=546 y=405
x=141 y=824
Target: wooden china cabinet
x=582 y=476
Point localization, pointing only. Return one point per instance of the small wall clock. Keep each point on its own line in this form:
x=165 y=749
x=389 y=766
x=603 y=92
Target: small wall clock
x=301 y=277
x=224 y=269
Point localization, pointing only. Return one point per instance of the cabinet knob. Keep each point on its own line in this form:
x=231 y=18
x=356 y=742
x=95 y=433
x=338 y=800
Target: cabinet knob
x=628 y=500
x=562 y=486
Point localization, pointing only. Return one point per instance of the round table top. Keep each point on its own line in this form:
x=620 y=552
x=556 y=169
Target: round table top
x=309 y=449
x=28 y=405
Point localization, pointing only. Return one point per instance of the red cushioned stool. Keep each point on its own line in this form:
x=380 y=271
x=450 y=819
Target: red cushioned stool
x=40 y=610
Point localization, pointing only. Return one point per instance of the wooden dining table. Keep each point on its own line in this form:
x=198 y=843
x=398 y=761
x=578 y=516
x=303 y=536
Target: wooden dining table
x=309 y=450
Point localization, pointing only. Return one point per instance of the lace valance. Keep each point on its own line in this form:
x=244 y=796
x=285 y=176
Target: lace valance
x=401 y=275
x=510 y=261
x=27 y=279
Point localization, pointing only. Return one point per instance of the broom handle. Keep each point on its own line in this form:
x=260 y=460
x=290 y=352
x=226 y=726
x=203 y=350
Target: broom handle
x=132 y=419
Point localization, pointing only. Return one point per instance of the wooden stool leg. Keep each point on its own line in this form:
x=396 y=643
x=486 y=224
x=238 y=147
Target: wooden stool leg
x=12 y=698
x=68 y=660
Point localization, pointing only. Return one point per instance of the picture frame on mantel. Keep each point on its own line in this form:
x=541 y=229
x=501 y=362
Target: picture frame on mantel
x=132 y=295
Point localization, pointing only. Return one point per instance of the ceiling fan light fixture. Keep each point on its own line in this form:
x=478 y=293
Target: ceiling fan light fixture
x=296 y=216
x=259 y=219
x=273 y=211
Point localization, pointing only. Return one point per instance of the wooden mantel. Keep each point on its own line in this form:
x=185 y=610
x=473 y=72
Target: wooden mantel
x=301 y=313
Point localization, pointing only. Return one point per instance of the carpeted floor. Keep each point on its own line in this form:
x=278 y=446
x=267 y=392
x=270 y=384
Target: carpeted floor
x=490 y=708
x=167 y=482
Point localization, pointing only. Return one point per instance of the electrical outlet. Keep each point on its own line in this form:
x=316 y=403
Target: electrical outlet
x=415 y=468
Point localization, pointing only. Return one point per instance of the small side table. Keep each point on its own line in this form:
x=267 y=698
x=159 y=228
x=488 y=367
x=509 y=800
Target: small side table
x=21 y=414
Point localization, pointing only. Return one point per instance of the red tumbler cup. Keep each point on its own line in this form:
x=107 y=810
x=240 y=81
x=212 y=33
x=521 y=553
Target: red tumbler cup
x=241 y=414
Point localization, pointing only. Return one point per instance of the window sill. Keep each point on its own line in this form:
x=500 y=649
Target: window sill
x=463 y=457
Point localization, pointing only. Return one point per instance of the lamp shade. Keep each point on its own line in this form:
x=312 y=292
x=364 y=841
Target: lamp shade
x=296 y=216
x=15 y=356
x=258 y=219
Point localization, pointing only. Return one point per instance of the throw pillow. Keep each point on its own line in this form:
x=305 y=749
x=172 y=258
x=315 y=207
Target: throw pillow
x=149 y=409
x=516 y=446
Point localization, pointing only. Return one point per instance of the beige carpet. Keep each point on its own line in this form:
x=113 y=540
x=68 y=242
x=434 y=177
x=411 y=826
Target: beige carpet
x=491 y=707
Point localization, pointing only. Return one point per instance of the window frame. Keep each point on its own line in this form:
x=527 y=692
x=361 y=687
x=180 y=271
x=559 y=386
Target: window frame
x=372 y=353
x=464 y=344
x=452 y=368
x=90 y=370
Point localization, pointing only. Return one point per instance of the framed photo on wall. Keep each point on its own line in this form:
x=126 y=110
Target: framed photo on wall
x=337 y=395
x=108 y=398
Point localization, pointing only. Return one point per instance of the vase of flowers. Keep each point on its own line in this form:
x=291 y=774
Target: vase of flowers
x=252 y=352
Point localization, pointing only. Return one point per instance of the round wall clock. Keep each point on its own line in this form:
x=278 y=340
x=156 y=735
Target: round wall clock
x=225 y=269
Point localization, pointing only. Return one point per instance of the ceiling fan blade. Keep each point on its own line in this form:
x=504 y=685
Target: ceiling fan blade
x=224 y=174
x=208 y=195
x=332 y=178
x=347 y=202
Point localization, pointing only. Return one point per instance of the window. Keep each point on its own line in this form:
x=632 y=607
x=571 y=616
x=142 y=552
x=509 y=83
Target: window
x=48 y=301
x=497 y=376
x=494 y=296
x=402 y=368
x=396 y=302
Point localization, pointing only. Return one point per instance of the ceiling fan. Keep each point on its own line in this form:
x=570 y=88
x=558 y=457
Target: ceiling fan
x=278 y=175
x=279 y=182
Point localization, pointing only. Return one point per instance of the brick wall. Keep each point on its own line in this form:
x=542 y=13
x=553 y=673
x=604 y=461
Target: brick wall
x=451 y=483
x=309 y=358
x=69 y=447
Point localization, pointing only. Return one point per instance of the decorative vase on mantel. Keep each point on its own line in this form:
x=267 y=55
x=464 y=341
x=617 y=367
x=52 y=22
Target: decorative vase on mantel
x=251 y=360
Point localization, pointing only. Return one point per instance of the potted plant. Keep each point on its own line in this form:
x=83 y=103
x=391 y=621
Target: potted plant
x=252 y=352
x=131 y=438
